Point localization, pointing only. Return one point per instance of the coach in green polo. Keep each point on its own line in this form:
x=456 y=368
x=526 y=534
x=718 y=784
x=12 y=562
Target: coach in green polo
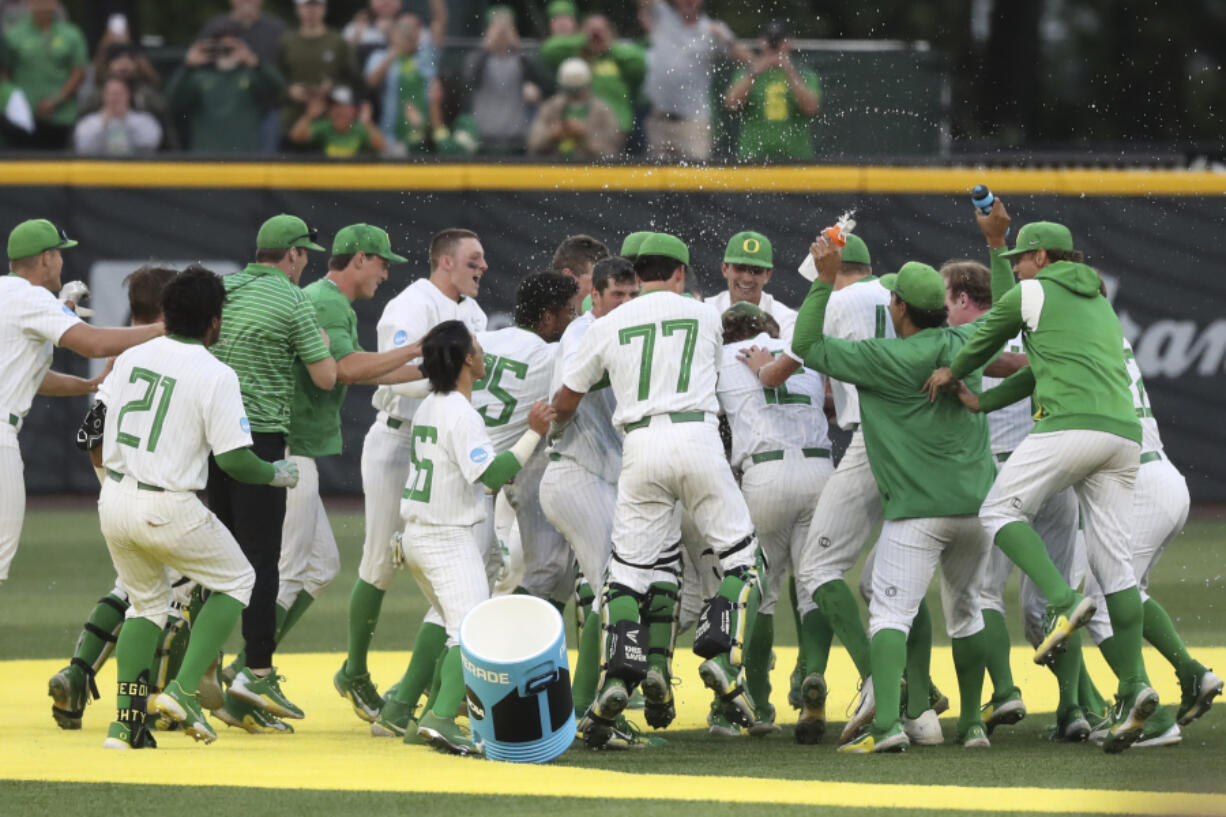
x=267 y=323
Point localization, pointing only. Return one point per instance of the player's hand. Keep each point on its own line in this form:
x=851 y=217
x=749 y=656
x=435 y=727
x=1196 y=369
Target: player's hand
x=72 y=294
x=541 y=415
x=285 y=474
x=968 y=397
x=940 y=379
x=995 y=225
x=755 y=357
x=828 y=257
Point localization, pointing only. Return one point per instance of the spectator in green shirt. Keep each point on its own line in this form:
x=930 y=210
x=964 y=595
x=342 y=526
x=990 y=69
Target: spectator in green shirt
x=777 y=102
x=617 y=68
x=563 y=18
x=313 y=60
x=47 y=58
x=347 y=130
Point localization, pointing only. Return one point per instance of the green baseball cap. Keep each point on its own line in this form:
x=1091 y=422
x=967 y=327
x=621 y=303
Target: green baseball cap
x=285 y=231
x=561 y=8
x=365 y=238
x=666 y=245
x=751 y=249
x=630 y=244
x=1042 y=235
x=745 y=308
x=36 y=236
x=918 y=284
x=856 y=251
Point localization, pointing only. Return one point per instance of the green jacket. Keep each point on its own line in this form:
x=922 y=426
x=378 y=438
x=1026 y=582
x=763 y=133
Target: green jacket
x=616 y=76
x=224 y=110
x=1075 y=347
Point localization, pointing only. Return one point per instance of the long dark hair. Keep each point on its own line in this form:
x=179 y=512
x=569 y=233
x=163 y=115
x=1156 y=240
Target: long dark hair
x=443 y=350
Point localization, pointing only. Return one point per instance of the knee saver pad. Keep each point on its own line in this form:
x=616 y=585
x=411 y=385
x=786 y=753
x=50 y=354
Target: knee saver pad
x=713 y=633
x=626 y=652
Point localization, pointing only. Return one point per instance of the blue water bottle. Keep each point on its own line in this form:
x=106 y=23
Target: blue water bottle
x=983 y=199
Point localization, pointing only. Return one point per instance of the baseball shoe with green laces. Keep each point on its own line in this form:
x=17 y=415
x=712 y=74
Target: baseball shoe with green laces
x=728 y=682
x=1003 y=710
x=1071 y=726
x=659 y=707
x=360 y=691
x=975 y=737
x=870 y=741
x=1099 y=722
x=1160 y=730
x=718 y=723
x=763 y=721
x=1129 y=717
x=795 y=680
x=238 y=713
x=182 y=707
x=1197 y=694
x=69 y=693
x=265 y=692
x=126 y=736
x=597 y=723
x=445 y=734
x=626 y=735
x=811 y=726
x=863 y=714
x=393 y=720
x=1059 y=623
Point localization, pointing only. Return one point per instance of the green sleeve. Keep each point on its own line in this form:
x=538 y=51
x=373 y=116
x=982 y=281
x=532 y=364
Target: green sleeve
x=268 y=82
x=631 y=60
x=556 y=49
x=341 y=341
x=1017 y=386
x=245 y=466
x=501 y=471
x=182 y=91
x=80 y=51
x=811 y=80
x=304 y=334
x=861 y=363
x=1002 y=274
x=998 y=327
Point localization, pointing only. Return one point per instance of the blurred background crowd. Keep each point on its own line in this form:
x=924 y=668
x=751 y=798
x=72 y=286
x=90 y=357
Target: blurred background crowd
x=657 y=80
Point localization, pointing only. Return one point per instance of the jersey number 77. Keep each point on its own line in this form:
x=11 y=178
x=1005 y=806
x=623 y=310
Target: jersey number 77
x=647 y=331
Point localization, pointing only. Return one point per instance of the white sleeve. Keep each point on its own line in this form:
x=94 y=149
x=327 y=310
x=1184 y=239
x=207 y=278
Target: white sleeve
x=586 y=368
x=409 y=323
x=86 y=136
x=415 y=389
x=42 y=316
x=226 y=427
x=471 y=445
x=146 y=132
x=18 y=111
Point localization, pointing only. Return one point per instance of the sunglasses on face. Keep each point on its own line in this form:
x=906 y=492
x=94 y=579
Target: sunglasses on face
x=312 y=235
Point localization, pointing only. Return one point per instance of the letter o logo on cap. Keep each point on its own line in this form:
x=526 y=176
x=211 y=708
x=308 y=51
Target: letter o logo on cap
x=751 y=245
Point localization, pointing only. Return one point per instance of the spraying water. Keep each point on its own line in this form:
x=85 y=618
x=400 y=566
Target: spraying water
x=837 y=233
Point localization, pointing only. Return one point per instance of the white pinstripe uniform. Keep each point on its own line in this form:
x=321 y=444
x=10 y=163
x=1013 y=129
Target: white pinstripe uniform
x=519 y=370
x=385 y=452
x=444 y=506
x=850 y=504
x=313 y=560
x=1160 y=502
x=785 y=316
x=662 y=352
x=169 y=403
x=31 y=322
x=780 y=444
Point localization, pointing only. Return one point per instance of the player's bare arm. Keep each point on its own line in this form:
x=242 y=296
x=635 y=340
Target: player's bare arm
x=96 y=341
x=369 y=368
x=323 y=373
x=940 y=379
x=771 y=371
x=995 y=225
x=565 y=403
x=1006 y=364
x=58 y=384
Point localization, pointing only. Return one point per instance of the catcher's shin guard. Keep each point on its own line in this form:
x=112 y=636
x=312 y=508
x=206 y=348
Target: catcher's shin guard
x=623 y=654
x=659 y=612
x=727 y=619
x=95 y=644
x=136 y=695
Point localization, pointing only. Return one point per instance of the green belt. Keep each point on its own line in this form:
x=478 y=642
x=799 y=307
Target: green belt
x=118 y=477
x=392 y=422
x=14 y=420
x=554 y=456
x=1003 y=457
x=770 y=456
x=1151 y=456
x=675 y=416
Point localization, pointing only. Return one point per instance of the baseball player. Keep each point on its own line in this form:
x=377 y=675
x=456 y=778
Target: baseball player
x=457 y=262
x=932 y=466
x=32 y=322
x=576 y=257
x=780 y=446
x=268 y=323
x=519 y=363
x=1087 y=436
x=444 y=504
x=661 y=353
x=748 y=266
x=72 y=687
x=171 y=403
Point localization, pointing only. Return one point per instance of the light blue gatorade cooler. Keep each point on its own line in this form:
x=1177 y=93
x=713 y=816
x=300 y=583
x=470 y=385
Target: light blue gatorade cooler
x=517 y=679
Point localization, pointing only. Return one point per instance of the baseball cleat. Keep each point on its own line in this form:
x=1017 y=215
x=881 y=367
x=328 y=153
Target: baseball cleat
x=1160 y=730
x=763 y=721
x=1128 y=719
x=625 y=735
x=976 y=737
x=637 y=700
x=238 y=713
x=719 y=725
x=869 y=741
x=938 y=701
x=862 y=716
x=659 y=707
x=210 y=693
x=924 y=730
x=728 y=682
x=1197 y=695
x=265 y=693
x=393 y=721
x=795 y=681
x=69 y=694
x=1071 y=726
x=811 y=726
x=445 y=734
x=119 y=736
x=1099 y=724
x=1059 y=625
x=182 y=707
x=359 y=691
x=1003 y=711
x=597 y=724
x=230 y=671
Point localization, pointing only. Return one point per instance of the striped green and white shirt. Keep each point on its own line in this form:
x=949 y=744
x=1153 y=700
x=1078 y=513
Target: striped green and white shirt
x=266 y=323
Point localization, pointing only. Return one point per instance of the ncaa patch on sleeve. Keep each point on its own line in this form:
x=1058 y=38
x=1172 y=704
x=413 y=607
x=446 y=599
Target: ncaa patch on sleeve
x=245 y=425
x=479 y=455
x=400 y=338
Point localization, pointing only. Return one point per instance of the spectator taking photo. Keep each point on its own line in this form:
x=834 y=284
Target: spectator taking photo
x=777 y=102
x=338 y=126
x=574 y=122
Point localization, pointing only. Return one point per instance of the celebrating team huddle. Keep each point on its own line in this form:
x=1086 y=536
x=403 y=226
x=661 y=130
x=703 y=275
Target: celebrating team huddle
x=664 y=461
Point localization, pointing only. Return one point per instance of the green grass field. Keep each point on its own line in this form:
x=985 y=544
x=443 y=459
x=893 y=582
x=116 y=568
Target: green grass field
x=63 y=567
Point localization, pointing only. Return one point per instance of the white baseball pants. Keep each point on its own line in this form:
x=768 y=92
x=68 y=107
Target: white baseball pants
x=449 y=567
x=385 y=470
x=310 y=559
x=580 y=505
x=12 y=496
x=548 y=561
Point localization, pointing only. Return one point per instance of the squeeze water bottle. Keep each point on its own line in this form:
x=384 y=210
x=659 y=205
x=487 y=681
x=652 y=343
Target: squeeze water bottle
x=836 y=233
x=983 y=199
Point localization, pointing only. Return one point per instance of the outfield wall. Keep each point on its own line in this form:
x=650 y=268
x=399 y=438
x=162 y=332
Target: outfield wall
x=1156 y=236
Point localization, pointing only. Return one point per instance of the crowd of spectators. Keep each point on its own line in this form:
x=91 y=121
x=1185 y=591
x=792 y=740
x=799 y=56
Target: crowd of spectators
x=389 y=83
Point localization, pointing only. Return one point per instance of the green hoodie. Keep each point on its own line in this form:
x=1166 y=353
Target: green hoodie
x=1075 y=347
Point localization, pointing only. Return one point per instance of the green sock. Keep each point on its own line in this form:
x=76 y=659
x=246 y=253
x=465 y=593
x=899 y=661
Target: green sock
x=816 y=636
x=1088 y=696
x=997 y=637
x=285 y=623
x=1159 y=630
x=919 y=662
x=585 y=597
x=834 y=598
x=451 y=690
x=364 y=605
x=1067 y=667
x=1024 y=547
x=436 y=683
x=795 y=610
x=889 y=656
x=213 y=625
x=659 y=613
x=99 y=634
x=758 y=659
x=134 y=653
x=429 y=646
x=587 y=665
x=969 y=659
x=1123 y=649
